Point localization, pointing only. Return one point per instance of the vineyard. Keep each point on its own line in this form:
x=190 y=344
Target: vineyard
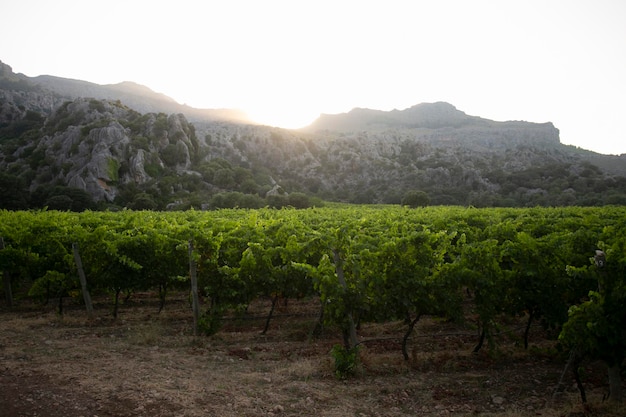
x=497 y=277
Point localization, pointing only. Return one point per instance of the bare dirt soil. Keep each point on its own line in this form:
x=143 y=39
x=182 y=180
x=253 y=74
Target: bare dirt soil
x=149 y=364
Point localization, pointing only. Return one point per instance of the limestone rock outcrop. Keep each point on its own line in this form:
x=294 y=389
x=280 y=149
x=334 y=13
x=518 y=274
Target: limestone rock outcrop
x=96 y=145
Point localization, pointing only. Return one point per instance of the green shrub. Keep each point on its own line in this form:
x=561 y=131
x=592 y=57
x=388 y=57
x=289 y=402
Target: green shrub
x=113 y=166
x=415 y=198
x=346 y=360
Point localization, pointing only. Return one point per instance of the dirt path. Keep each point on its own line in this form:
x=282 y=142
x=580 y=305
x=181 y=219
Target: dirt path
x=144 y=364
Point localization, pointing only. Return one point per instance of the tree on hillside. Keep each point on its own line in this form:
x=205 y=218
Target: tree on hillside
x=415 y=198
x=13 y=192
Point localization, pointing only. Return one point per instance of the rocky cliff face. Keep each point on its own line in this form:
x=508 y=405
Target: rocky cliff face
x=97 y=146
x=17 y=95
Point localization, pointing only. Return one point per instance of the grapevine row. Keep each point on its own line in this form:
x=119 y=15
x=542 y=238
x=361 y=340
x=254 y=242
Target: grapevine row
x=364 y=264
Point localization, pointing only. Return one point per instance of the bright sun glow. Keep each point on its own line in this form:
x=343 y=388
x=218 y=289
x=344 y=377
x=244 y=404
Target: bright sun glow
x=285 y=62
x=280 y=117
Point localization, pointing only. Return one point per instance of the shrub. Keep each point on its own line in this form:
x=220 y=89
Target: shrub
x=415 y=198
x=346 y=360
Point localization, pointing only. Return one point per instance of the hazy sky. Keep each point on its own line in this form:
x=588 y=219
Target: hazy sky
x=285 y=62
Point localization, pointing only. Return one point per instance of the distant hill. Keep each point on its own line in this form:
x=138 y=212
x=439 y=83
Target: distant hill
x=441 y=117
x=72 y=144
x=135 y=96
x=425 y=115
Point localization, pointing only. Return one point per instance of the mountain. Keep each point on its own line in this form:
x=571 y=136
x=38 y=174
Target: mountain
x=133 y=95
x=71 y=144
x=438 y=123
x=136 y=96
x=425 y=115
x=440 y=120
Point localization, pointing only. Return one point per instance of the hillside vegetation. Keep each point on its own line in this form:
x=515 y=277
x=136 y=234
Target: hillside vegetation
x=73 y=145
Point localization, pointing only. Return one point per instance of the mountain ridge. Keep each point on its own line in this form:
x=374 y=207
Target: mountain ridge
x=427 y=115
x=434 y=115
x=54 y=147
x=137 y=96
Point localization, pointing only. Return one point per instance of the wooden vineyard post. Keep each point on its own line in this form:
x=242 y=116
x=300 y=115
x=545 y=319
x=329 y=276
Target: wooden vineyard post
x=83 y=280
x=6 y=281
x=349 y=334
x=195 y=303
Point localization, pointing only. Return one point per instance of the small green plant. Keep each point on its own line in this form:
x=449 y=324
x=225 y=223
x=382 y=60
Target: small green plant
x=113 y=167
x=152 y=169
x=346 y=360
x=97 y=105
x=210 y=322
